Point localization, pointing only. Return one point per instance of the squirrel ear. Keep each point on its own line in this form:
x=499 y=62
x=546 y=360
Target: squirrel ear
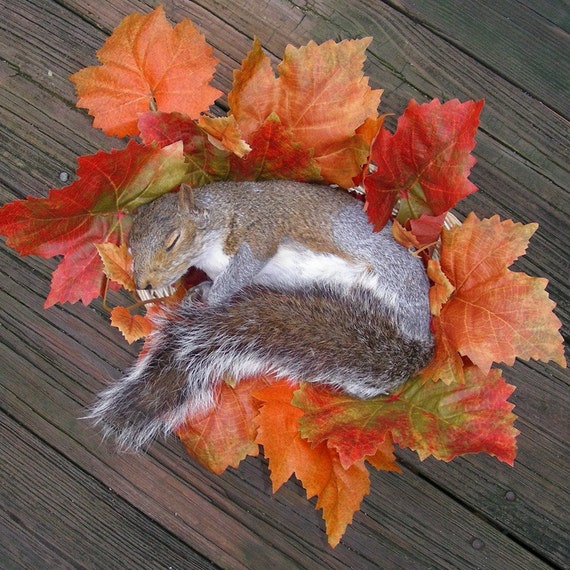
x=185 y=198
x=188 y=207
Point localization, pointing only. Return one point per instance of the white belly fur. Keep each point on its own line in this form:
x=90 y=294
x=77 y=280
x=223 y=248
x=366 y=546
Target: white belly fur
x=295 y=266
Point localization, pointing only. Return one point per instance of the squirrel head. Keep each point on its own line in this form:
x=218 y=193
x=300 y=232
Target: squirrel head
x=165 y=238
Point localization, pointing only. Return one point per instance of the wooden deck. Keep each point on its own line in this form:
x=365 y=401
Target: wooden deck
x=68 y=502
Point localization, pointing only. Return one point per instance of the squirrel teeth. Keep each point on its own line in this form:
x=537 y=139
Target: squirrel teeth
x=158 y=293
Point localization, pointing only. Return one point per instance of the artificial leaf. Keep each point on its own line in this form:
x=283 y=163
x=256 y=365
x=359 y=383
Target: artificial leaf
x=340 y=491
x=278 y=432
x=224 y=134
x=206 y=161
x=324 y=99
x=224 y=436
x=117 y=263
x=133 y=327
x=92 y=210
x=426 y=163
x=384 y=458
x=321 y=97
x=147 y=65
x=446 y=364
x=431 y=418
x=494 y=314
x=275 y=155
x=254 y=91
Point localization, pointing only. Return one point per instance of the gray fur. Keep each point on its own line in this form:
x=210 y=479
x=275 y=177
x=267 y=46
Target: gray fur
x=363 y=330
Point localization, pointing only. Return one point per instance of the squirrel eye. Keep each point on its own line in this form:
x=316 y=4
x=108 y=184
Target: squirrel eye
x=171 y=240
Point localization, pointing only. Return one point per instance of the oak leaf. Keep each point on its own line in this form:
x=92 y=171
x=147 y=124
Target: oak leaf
x=425 y=164
x=94 y=209
x=494 y=314
x=147 y=65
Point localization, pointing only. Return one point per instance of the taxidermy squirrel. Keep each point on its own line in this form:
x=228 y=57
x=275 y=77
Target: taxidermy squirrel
x=301 y=287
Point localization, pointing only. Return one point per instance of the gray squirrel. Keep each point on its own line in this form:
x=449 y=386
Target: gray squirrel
x=301 y=287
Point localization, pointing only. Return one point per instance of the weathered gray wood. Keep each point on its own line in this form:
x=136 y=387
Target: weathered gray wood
x=79 y=523
x=512 y=39
x=54 y=361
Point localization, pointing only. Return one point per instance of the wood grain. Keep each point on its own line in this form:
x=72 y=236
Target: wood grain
x=68 y=502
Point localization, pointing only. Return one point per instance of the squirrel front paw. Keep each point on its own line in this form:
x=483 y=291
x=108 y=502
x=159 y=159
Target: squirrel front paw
x=200 y=293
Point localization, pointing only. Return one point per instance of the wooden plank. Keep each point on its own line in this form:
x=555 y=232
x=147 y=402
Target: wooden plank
x=46 y=387
x=58 y=359
x=79 y=523
x=510 y=38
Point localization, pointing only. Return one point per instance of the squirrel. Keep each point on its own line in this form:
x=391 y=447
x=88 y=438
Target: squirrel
x=300 y=287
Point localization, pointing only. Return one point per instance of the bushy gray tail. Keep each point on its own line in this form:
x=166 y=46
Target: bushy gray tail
x=319 y=335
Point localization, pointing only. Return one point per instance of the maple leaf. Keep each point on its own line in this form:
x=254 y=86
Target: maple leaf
x=132 y=327
x=206 y=162
x=117 y=263
x=321 y=96
x=92 y=210
x=494 y=314
x=340 y=491
x=275 y=155
x=224 y=134
x=431 y=418
x=226 y=435
x=147 y=65
x=425 y=164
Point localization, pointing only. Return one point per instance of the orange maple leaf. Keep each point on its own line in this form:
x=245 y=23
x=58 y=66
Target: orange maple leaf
x=224 y=436
x=117 y=264
x=147 y=65
x=494 y=314
x=321 y=96
x=132 y=327
x=339 y=490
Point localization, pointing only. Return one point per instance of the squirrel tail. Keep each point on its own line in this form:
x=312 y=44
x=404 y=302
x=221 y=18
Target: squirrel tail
x=347 y=341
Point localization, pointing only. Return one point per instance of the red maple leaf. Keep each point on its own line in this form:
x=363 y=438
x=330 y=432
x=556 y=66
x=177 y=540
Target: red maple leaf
x=431 y=418
x=425 y=164
x=92 y=210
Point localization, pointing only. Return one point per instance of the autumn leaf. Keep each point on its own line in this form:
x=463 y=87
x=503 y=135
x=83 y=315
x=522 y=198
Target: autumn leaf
x=431 y=418
x=275 y=155
x=340 y=491
x=254 y=93
x=147 y=65
x=226 y=435
x=117 y=264
x=321 y=97
x=425 y=164
x=92 y=210
x=206 y=162
x=494 y=314
x=224 y=134
x=132 y=327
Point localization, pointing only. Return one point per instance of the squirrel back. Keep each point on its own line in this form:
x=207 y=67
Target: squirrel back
x=302 y=288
